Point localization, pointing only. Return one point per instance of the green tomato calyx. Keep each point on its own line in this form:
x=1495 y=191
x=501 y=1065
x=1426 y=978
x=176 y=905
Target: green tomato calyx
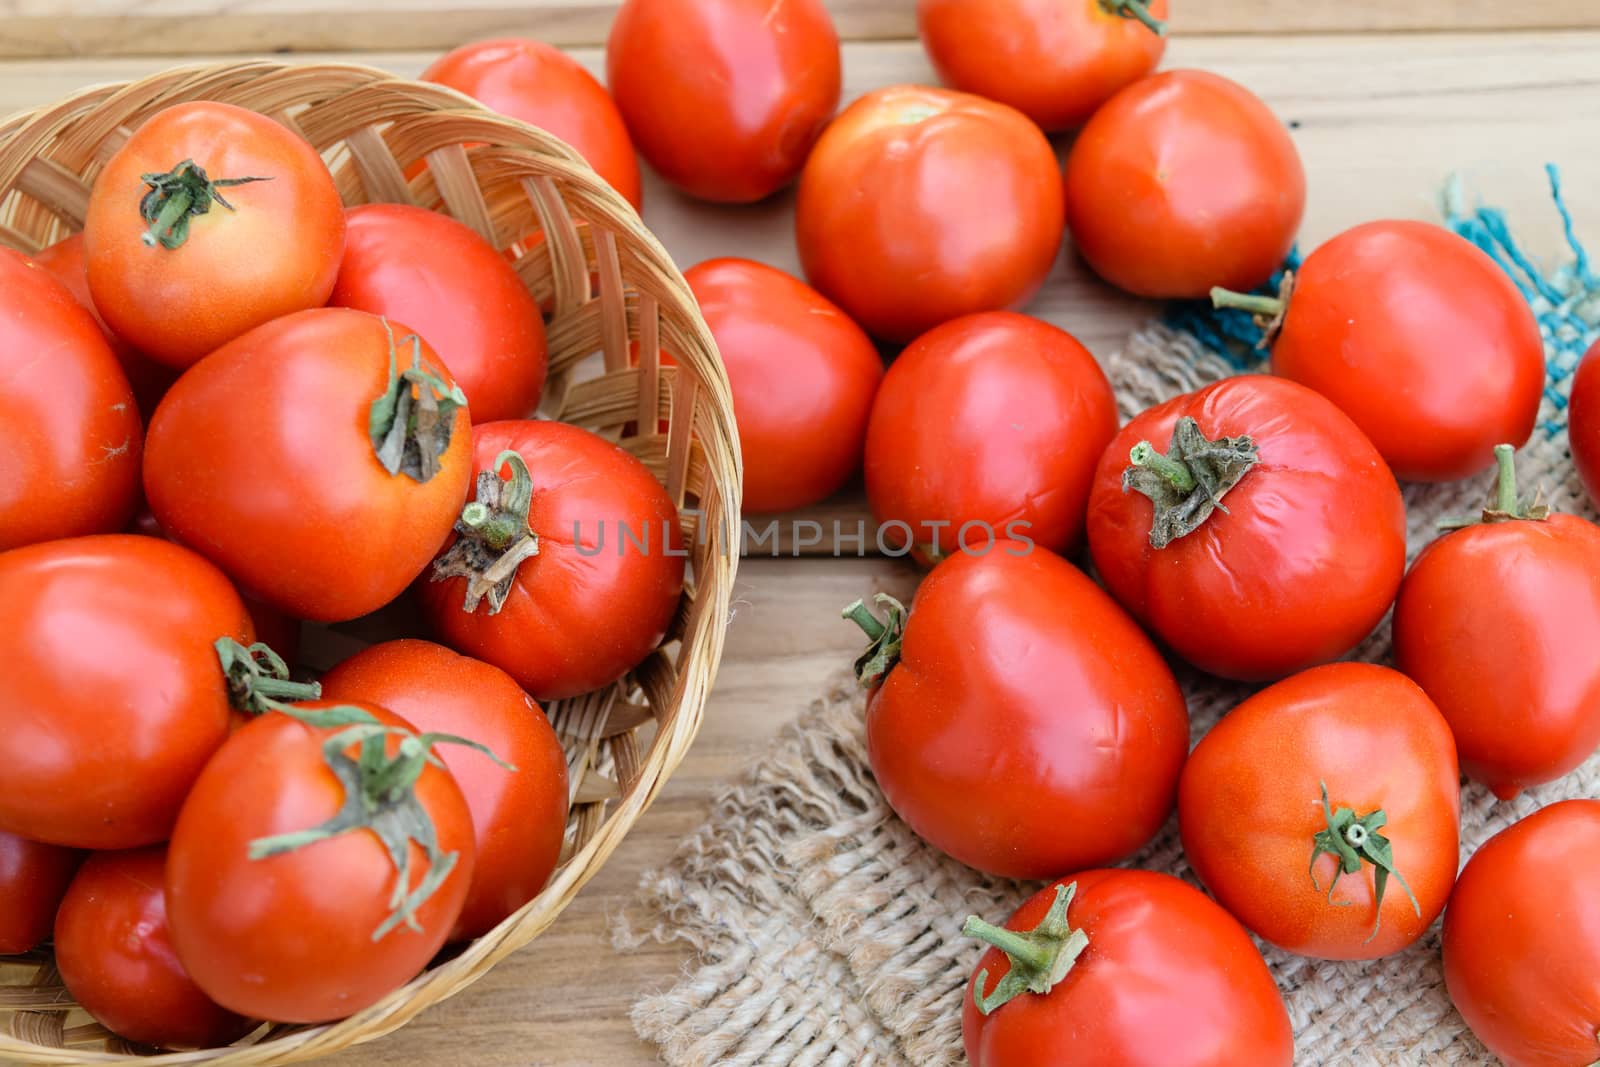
x=886 y=636
x=1506 y=505
x=1353 y=839
x=1040 y=958
x=177 y=196
x=495 y=538
x=411 y=421
x=1188 y=483
x=258 y=678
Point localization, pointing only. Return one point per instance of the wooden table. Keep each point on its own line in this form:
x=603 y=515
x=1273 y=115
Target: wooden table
x=1386 y=100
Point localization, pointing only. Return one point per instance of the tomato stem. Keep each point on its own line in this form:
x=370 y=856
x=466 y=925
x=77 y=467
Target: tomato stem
x=411 y=421
x=495 y=536
x=1252 y=302
x=1040 y=958
x=1144 y=455
x=886 y=637
x=177 y=196
x=1505 y=458
x=1136 y=9
x=1352 y=839
x=1506 y=506
x=258 y=678
x=1188 y=483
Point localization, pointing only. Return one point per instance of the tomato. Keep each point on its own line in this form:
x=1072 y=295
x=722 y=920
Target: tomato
x=1295 y=564
x=1017 y=700
x=803 y=378
x=1055 y=62
x=1522 y=939
x=70 y=464
x=115 y=955
x=518 y=817
x=1152 y=974
x=111 y=699
x=1583 y=421
x=209 y=221
x=921 y=205
x=302 y=463
x=1496 y=622
x=988 y=426
x=1181 y=182
x=33 y=879
x=725 y=97
x=453 y=288
x=601 y=560
x=544 y=87
x=304 y=933
x=1350 y=766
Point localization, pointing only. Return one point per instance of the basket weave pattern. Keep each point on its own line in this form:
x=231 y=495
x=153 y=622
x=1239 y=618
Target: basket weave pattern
x=607 y=282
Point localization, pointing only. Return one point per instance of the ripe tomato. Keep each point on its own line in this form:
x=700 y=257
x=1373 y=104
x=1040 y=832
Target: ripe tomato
x=1351 y=766
x=803 y=378
x=1151 y=972
x=1494 y=622
x=725 y=97
x=1522 y=939
x=922 y=205
x=309 y=932
x=1298 y=563
x=1420 y=338
x=70 y=463
x=1055 y=62
x=1181 y=182
x=115 y=956
x=600 y=551
x=112 y=698
x=65 y=262
x=209 y=221
x=454 y=289
x=1583 y=422
x=544 y=87
x=988 y=426
x=1017 y=699
x=518 y=816
x=33 y=879
x=319 y=459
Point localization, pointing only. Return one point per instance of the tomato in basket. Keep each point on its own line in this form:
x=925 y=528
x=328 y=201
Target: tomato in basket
x=33 y=879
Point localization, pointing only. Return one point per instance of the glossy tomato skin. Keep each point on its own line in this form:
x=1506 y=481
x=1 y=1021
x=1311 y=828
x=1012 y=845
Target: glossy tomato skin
x=453 y=288
x=1521 y=956
x=1054 y=61
x=289 y=938
x=545 y=87
x=1184 y=181
x=33 y=879
x=724 y=97
x=70 y=465
x=112 y=698
x=1026 y=701
x=803 y=378
x=260 y=458
x=1492 y=621
x=921 y=205
x=1422 y=340
x=996 y=420
x=1169 y=979
x=1301 y=567
x=276 y=253
x=518 y=817
x=1249 y=809
x=605 y=584
x=1583 y=422
x=115 y=955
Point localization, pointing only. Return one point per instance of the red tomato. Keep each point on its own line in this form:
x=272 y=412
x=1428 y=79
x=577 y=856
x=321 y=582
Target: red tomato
x=519 y=816
x=65 y=262
x=1522 y=939
x=1420 y=338
x=70 y=462
x=922 y=205
x=1497 y=622
x=115 y=956
x=33 y=879
x=544 y=87
x=453 y=288
x=1154 y=974
x=112 y=699
x=1181 y=182
x=1293 y=568
x=601 y=554
x=209 y=221
x=725 y=97
x=803 y=378
x=1351 y=767
x=312 y=933
x=1016 y=700
x=1055 y=62
x=1583 y=421
x=266 y=460
x=991 y=424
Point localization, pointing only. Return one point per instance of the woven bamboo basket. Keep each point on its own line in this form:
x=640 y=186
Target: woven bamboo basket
x=607 y=282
